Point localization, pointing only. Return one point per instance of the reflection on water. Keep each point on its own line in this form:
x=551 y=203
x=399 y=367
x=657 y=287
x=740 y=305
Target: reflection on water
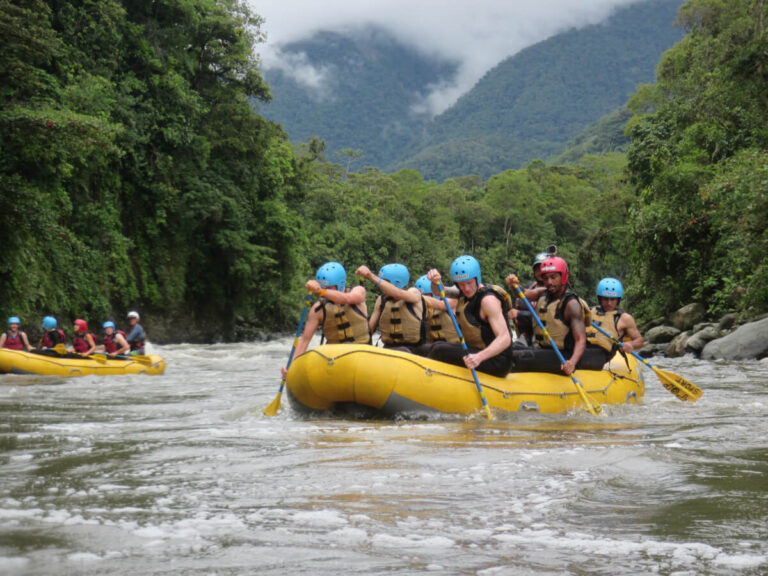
x=183 y=474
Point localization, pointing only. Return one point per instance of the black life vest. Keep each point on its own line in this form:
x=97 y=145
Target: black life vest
x=477 y=332
x=53 y=337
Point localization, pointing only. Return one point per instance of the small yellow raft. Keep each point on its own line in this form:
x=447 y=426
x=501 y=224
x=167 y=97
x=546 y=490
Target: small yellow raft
x=391 y=383
x=52 y=364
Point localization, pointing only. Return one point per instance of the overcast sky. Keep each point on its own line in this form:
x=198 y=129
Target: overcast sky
x=477 y=34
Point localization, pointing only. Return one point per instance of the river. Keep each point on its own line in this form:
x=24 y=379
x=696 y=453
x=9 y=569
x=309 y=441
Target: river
x=183 y=474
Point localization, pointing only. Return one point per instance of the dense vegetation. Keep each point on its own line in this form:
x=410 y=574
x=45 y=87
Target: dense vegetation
x=133 y=169
x=135 y=173
x=698 y=159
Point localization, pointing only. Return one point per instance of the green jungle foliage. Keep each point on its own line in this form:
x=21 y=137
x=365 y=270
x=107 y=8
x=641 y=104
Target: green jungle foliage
x=374 y=218
x=698 y=159
x=133 y=170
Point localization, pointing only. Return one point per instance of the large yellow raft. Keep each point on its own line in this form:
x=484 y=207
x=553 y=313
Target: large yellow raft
x=52 y=364
x=392 y=383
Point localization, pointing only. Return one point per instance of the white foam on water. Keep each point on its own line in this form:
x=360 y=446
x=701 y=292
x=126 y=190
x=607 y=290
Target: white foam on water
x=411 y=541
x=84 y=557
x=320 y=518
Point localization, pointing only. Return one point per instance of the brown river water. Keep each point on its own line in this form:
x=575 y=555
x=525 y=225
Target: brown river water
x=183 y=474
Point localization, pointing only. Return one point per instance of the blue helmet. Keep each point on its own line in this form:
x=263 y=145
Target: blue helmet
x=49 y=323
x=395 y=274
x=610 y=288
x=332 y=274
x=108 y=324
x=424 y=285
x=465 y=268
x=13 y=320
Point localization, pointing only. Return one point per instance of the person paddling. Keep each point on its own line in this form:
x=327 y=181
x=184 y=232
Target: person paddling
x=619 y=324
x=114 y=342
x=83 y=341
x=136 y=337
x=481 y=312
x=14 y=339
x=341 y=313
x=52 y=334
x=398 y=313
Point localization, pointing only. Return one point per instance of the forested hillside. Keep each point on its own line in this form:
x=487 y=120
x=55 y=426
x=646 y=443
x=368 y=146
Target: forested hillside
x=133 y=170
x=698 y=159
x=532 y=104
x=365 y=99
x=135 y=174
x=528 y=107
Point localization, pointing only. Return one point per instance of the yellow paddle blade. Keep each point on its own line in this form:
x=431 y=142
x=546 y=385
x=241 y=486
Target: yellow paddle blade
x=60 y=349
x=273 y=408
x=100 y=358
x=594 y=409
x=678 y=385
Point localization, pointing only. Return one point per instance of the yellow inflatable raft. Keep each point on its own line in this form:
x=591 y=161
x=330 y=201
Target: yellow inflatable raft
x=53 y=364
x=391 y=383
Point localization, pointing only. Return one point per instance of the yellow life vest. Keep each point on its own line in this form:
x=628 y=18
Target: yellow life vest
x=477 y=332
x=400 y=323
x=344 y=324
x=608 y=321
x=552 y=315
x=440 y=327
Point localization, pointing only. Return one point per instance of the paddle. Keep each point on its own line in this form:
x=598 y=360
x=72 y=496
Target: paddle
x=677 y=385
x=594 y=409
x=274 y=406
x=448 y=308
x=60 y=349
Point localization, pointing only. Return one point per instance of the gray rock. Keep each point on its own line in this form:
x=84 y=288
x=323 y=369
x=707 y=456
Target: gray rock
x=700 y=339
x=677 y=346
x=747 y=342
x=701 y=325
x=650 y=350
x=688 y=316
x=727 y=322
x=661 y=334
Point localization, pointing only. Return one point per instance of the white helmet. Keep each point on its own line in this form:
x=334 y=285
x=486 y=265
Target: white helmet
x=133 y=314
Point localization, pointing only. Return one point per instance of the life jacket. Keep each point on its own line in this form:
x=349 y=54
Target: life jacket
x=48 y=342
x=399 y=323
x=110 y=344
x=79 y=342
x=552 y=315
x=608 y=321
x=440 y=327
x=13 y=342
x=477 y=332
x=137 y=345
x=341 y=327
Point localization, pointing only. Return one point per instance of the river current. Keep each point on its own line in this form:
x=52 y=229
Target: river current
x=183 y=474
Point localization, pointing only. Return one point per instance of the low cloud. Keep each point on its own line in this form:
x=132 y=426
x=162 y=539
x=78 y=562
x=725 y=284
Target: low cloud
x=478 y=35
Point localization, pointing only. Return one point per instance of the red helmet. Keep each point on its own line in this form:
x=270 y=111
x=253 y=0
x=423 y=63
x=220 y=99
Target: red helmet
x=556 y=264
x=82 y=325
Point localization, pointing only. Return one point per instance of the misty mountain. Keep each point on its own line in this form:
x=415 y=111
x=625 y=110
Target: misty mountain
x=365 y=99
x=529 y=106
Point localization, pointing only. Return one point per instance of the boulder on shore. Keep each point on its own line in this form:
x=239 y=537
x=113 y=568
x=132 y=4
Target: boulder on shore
x=686 y=317
x=746 y=342
x=661 y=334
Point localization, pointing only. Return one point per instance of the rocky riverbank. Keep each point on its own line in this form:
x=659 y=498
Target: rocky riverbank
x=687 y=331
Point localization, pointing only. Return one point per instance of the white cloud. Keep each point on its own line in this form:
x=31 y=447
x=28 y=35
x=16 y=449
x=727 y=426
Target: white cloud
x=478 y=34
